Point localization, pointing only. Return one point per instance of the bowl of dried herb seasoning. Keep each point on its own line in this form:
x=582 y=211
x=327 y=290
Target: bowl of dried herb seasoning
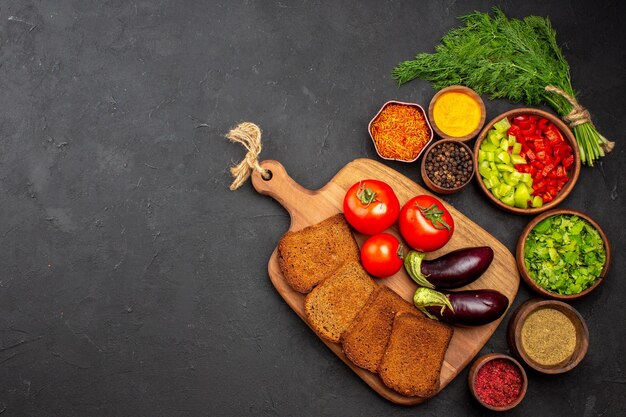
x=400 y=131
x=550 y=336
x=447 y=166
x=563 y=254
x=497 y=381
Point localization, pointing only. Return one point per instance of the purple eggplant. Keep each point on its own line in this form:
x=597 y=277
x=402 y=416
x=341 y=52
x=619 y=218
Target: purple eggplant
x=463 y=308
x=452 y=270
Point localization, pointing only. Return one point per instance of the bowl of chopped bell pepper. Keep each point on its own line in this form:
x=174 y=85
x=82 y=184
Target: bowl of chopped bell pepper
x=527 y=161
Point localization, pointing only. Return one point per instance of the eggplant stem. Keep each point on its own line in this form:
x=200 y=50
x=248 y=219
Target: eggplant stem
x=427 y=313
x=425 y=297
x=413 y=265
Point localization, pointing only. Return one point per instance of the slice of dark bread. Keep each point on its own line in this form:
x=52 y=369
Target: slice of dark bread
x=364 y=342
x=308 y=256
x=412 y=361
x=332 y=306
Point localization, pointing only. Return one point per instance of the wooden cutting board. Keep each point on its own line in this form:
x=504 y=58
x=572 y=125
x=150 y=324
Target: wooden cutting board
x=308 y=207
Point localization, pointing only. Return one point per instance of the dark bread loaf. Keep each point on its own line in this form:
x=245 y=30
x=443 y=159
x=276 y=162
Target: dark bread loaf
x=308 y=256
x=412 y=361
x=332 y=306
x=365 y=340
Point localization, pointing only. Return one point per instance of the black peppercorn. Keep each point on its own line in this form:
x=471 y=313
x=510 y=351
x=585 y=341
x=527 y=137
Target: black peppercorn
x=449 y=165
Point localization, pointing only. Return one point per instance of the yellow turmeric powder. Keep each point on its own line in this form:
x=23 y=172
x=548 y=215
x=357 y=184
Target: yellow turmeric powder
x=456 y=114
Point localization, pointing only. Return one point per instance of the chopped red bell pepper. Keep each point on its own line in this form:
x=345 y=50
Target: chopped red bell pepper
x=541 y=155
x=539 y=186
x=547 y=168
x=548 y=154
x=539 y=145
x=547 y=197
x=567 y=162
x=544 y=124
x=552 y=136
x=525 y=124
x=514 y=130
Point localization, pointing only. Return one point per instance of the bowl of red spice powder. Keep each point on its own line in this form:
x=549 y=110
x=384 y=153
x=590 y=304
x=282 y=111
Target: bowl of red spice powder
x=400 y=131
x=498 y=381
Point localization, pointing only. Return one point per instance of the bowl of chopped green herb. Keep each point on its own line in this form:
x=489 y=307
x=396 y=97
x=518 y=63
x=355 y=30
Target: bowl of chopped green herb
x=563 y=254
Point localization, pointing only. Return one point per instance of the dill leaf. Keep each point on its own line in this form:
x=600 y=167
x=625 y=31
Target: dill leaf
x=514 y=59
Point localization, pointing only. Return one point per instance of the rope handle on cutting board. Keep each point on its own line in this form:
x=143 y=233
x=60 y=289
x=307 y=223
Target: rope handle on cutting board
x=249 y=135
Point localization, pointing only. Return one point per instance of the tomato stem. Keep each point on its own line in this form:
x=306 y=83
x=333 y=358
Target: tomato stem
x=400 y=251
x=434 y=214
x=366 y=195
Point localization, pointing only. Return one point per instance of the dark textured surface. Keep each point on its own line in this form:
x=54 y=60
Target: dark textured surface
x=134 y=283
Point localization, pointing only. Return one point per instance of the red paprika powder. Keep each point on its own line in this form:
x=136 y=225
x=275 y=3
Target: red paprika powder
x=498 y=383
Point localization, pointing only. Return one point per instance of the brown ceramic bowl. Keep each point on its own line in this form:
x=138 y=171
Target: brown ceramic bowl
x=521 y=265
x=514 y=335
x=421 y=110
x=573 y=172
x=479 y=363
x=469 y=92
x=436 y=188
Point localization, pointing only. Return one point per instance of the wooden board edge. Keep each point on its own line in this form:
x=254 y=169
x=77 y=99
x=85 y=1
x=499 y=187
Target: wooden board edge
x=369 y=378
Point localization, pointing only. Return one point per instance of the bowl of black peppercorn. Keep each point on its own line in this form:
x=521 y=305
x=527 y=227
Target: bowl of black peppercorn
x=447 y=166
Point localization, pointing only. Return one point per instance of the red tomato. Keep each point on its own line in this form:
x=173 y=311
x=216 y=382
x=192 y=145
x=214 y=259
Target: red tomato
x=371 y=206
x=425 y=224
x=381 y=255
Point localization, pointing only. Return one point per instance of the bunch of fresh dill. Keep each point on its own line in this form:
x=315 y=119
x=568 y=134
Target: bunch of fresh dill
x=508 y=58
